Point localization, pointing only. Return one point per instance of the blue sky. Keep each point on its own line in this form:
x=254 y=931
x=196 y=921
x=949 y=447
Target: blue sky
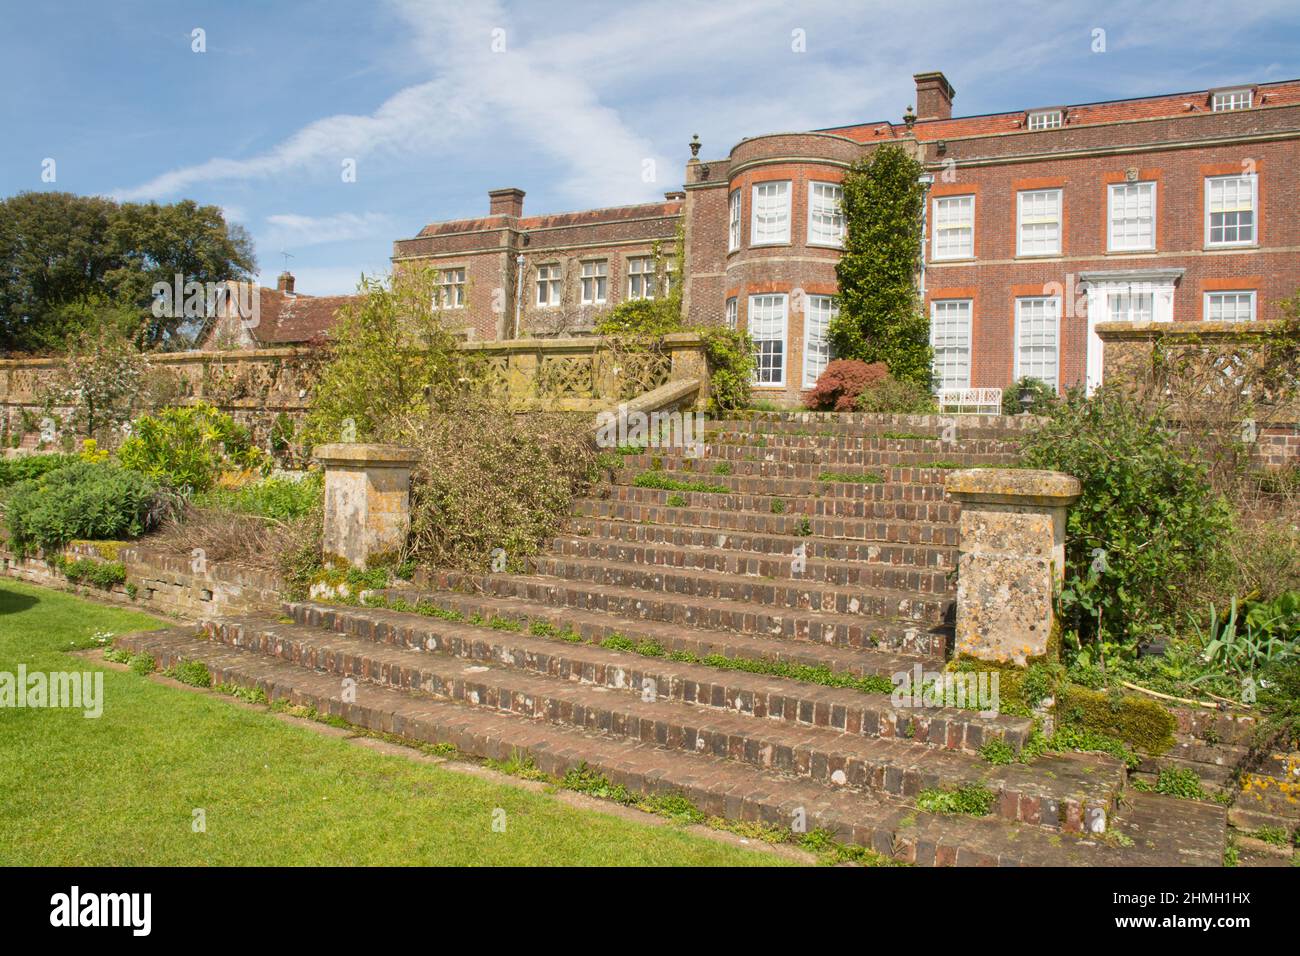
x=581 y=96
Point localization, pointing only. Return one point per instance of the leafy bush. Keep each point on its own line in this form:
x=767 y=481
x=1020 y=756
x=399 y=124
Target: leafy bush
x=102 y=574
x=972 y=800
x=730 y=357
x=840 y=384
x=1044 y=397
x=1264 y=634
x=13 y=470
x=81 y=500
x=487 y=479
x=1146 y=525
x=189 y=446
x=895 y=396
x=283 y=499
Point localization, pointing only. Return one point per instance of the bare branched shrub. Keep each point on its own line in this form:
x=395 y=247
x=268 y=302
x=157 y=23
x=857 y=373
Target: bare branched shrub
x=290 y=548
x=488 y=479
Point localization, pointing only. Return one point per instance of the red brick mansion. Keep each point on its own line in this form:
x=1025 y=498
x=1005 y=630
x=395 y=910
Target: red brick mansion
x=1039 y=224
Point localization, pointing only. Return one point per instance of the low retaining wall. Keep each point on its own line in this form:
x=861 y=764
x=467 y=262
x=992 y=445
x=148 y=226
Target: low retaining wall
x=158 y=582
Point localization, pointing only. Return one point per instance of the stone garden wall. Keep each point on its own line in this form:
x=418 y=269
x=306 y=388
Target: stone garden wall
x=1182 y=359
x=257 y=386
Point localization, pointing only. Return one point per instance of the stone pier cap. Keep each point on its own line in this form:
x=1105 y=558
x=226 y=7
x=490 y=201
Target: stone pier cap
x=361 y=454
x=1013 y=486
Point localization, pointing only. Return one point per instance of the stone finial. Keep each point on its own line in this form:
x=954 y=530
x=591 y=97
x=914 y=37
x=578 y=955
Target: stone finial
x=695 y=145
x=1012 y=557
x=367 y=499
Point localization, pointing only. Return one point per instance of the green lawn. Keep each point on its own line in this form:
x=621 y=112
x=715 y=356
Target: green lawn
x=121 y=789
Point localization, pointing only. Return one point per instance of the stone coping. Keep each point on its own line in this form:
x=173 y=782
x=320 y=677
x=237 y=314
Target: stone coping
x=362 y=454
x=1189 y=331
x=1013 y=486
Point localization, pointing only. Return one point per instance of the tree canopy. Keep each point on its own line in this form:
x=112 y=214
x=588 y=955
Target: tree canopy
x=59 y=251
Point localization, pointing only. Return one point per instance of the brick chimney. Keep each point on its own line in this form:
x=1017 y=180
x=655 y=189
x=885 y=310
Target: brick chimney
x=285 y=283
x=506 y=202
x=933 y=96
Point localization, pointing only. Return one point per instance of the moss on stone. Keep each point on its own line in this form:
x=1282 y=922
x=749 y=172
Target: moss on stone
x=1143 y=724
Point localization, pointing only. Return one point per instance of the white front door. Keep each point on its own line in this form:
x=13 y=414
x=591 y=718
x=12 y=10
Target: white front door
x=1135 y=301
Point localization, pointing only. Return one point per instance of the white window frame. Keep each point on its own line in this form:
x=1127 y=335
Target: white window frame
x=550 y=285
x=451 y=288
x=1226 y=101
x=1254 y=211
x=1021 y=303
x=595 y=281
x=1224 y=293
x=1130 y=302
x=826 y=225
x=754 y=314
x=818 y=313
x=1112 y=192
x=1037 y=120
x=777 y=188
x=943 y=203
x=641 y=279
x=733 y=221
x=965 y=316
x=1058 y=219
x=732 y=312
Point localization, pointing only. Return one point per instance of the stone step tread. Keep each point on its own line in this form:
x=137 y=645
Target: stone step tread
x=859 y=422
x=1090 y=780
x=732 y=557
x=782 y=541
x=876 y=509
x=718 y=786
x=892 y=530
x=673 y=637
x=640 y=596
x=626 y=670
x=873 y=441
x=902 y=475
x=562 y=566
x=917 y=493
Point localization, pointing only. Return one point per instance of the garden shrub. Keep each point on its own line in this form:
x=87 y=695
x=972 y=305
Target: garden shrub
x=487 y=479
x=897 y=397
x=101 y=574
x=840 y=384
x=1044 y=397
x=1146 y=525
x=81 y=500
x=189 y=446
x=282 y=499
x=730 y=357
x=13 y=470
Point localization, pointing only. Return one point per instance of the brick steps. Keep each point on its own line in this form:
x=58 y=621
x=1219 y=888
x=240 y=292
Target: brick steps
x=598 y=625
x=938 y=512
x=781 y=566
x=807 y=488
x=774 y=468
x=932 y=444
x=755 y=694
x=738 y=616
x=858 y=423
x=792 y=594
x=794 y=525
x=719 y=786
x=937 y=557
x=830 y=458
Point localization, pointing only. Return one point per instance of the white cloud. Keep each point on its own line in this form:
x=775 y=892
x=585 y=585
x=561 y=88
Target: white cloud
x=294 y=229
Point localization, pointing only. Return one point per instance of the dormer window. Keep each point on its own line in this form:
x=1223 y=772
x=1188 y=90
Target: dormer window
x=1045 y=119
x=1225 y=100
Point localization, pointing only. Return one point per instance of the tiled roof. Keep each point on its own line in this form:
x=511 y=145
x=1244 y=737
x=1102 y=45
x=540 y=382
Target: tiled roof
x=1283 y=93
x=290 y=319
x=585 y=217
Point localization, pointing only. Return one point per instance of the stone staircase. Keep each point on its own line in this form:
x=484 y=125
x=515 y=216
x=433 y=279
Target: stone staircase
x=664 y=641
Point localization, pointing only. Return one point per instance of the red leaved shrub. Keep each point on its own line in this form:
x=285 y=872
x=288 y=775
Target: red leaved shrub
x=838 y=387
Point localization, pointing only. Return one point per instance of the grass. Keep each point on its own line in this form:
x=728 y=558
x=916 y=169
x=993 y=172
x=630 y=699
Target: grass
x=121 y=790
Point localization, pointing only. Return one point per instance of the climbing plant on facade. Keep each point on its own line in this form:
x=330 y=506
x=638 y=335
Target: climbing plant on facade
x=880 y=317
